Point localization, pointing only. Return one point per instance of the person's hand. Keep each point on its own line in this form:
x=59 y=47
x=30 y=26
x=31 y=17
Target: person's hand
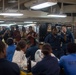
x=29 y=35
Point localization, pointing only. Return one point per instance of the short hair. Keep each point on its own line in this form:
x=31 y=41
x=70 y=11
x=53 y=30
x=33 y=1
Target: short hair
x=71 y=47
x=63 y=26
x=46 y=49
x=30 y=26
x=23 y=28
x=17 y=26
x=10 y=41
x=53 y=27
x=21 y=44
x=2 y=46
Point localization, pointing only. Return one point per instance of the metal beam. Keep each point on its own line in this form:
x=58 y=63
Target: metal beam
x=20 y=2
x=69 y=9
x=67 y=1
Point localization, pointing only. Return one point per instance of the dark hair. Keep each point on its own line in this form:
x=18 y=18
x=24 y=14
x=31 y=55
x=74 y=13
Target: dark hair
x=53 y=28
x=10 y=41
x=17 y=27
x=30 y=26
x=2 y=46
x=46 y=49
x=23 y=28
x=71 y=47
x=63 y=26
x=21 y=44
x=40 y=43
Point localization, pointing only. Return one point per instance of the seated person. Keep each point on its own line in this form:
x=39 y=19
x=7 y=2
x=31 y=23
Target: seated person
x=19 y=55
x=48 y=65
x=10 y=49
x=39 y=55
x=7 y=67
x=32 y=48
x=68 y=62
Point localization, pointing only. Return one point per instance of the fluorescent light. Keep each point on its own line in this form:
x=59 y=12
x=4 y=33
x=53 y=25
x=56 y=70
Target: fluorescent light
x=30 y=22
x=43 y=5
x=5 y=25
x=57 y=15
x=8 y=25
x=1 y=21
x=20 y=25
x=11 y=14
x=29 y=25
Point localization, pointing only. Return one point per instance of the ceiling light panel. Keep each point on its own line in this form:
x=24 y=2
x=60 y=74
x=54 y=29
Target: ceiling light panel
x=11 y=14
x=57 y=15
x=44 y=4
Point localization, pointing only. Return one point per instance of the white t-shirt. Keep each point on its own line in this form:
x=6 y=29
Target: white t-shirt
x=39 y=55
x=20 y=59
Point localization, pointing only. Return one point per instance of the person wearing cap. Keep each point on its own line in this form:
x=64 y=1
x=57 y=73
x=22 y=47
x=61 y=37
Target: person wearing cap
x=55 y=41
x=48 y=65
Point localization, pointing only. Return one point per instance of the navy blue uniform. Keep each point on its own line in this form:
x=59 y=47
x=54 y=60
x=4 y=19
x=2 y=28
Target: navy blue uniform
x=8 y=68
x=69 y=38
x=47 y=66
x=31 y=52
x=55 y=42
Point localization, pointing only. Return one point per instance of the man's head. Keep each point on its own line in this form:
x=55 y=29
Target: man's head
x=17 y=28
x=71 y=47
x=63 y=29
x=54 y=29
x=46 y=49
x=12 y=28
x=30 y=28
x=2 y=50
x=41 y=45
x=10 y=41
x=23 y=29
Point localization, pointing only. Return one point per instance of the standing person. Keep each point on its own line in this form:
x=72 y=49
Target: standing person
x=48 y=65
x=31 y=35
x=6 y=35
x=23 y=33
x=7 y=67
x=17 y=35
x=12 y=32
x=55 y=41
x=68 y=62
x=10 y=49
x=67 y=36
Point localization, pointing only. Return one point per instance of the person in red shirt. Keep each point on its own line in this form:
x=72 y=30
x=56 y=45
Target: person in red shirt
x=31 y=35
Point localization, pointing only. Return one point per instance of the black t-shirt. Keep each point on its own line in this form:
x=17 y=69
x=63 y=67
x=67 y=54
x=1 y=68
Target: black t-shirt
x=8 y=68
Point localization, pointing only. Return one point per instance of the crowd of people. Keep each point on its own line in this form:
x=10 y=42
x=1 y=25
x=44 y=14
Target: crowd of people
x=56 y=54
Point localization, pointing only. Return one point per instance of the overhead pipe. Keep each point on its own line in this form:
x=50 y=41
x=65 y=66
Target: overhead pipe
x=3 y=6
